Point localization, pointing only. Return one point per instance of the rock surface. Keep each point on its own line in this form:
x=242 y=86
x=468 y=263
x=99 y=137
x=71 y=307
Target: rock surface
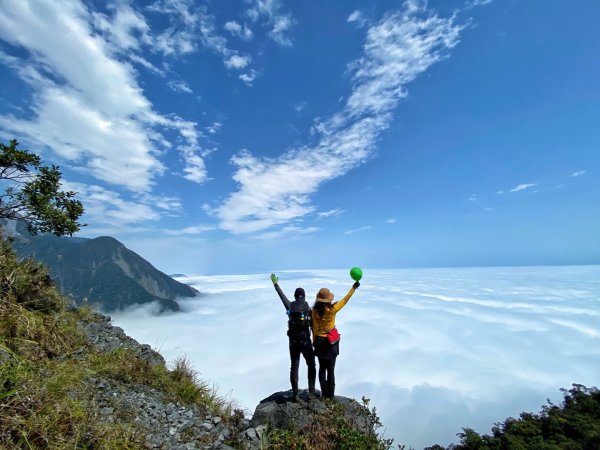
x=163 y=423
x=279 y=411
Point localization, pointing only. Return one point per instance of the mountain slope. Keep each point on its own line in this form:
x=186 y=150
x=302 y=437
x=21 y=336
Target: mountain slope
x=101 y=271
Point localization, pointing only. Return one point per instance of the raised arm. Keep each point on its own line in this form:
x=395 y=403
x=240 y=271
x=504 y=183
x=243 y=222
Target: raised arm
x=339 y=305
x=284 y=299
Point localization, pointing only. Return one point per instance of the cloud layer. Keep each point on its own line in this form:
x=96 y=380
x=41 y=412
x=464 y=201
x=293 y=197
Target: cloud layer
x=435 y=349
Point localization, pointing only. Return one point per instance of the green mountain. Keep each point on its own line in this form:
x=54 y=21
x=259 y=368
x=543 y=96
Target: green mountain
x=100 y=271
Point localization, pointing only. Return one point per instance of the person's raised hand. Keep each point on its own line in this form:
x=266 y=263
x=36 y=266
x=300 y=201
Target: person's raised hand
x=356 y=285
x=274 y=279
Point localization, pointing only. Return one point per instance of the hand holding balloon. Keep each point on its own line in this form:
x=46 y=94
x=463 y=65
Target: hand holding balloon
x=356 y=274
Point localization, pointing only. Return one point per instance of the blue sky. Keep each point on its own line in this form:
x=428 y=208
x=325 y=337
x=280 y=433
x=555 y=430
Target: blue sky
x=257 y=135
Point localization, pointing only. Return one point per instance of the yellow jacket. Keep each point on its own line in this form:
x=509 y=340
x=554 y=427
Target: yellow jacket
x=322 y=325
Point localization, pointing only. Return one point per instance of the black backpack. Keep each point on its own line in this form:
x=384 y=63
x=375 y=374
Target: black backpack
x=299 y=321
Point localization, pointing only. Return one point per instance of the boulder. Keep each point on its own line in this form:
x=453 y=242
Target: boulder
x=279 y=411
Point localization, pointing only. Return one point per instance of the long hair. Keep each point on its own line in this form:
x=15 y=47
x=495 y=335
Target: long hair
x=320 y=308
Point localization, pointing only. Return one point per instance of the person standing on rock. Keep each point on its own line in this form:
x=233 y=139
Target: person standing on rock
x=326 y=337
x=299 y=322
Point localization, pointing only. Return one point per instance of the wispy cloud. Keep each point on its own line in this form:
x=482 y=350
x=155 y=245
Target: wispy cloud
x=271 y=12
x=473 y=198
x=357 y=230
x=392 y=220
x=179 y=86
x=475 y=3
x=190 y=26
x=397 y=49
x=578 y=173
x=522 y=187
x=237 y=62
x=214 y=128
x=286 y=231
x=330 y=213
x=198 y=229
x=299 y=107
x=248 y=77
x=106 y=207
x=357 y=18
x=127 y=29
x=243 y=32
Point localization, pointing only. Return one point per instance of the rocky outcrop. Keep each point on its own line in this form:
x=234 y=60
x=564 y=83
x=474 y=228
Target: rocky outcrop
x=279 y=411
x=164 y=424
x=107 y=337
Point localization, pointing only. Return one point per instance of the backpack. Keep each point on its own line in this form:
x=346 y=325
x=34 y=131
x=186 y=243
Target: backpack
x=299 y=321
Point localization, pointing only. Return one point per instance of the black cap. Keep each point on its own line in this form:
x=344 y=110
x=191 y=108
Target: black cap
x=299 y=294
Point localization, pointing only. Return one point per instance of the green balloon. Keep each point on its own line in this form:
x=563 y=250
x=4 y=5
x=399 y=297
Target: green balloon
x=356 y=274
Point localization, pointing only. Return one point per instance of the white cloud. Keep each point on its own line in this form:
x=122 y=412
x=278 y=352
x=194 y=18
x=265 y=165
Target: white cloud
x=279 y=21
x=522 y=187
x=195 y=169
x=103 y=206
x=358 y=18
x=127 y=29
x=286 y=231
x=357 y=230
x=392 y=220
x=275 y=191
x=248 y=77
x=198 y=229
x=243 y=32
x=214 y=128
x=578 y=173
x=182 y=35
x=169 y=204
x=500 y=192
x=330 y=213
x=191 y=25
x=475 y=3
x=233 y=27
x=299 y=107
x=96 y=116
x=473 y=198
x=179 y=86
x=237 y=62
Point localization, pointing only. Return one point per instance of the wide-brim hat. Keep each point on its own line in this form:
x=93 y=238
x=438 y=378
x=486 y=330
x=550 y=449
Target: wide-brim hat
x=325 y=295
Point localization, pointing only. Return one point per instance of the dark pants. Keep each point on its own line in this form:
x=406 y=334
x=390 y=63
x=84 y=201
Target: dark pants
x=305 y=349
x=327 y=376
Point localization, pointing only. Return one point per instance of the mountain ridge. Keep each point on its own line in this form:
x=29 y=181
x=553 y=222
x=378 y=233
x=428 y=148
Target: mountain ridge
x=100 y=271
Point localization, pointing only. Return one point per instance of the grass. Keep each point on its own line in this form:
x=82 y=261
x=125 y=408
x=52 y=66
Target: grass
x=47 y=370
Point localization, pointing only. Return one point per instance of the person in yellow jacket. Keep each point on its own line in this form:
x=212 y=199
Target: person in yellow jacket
x=323 y=322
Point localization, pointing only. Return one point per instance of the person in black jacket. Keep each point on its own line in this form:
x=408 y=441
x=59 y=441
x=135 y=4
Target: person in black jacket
x=299 y=333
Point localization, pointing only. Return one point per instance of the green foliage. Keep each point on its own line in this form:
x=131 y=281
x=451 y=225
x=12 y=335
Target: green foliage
x=573 y=425
x=330 y=431
x=33 y=193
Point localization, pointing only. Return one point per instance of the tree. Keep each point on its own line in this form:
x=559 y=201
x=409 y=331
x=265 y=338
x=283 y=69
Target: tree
x=32 y=193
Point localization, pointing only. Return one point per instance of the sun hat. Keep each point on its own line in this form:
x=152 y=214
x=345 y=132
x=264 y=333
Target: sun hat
x=324 y=296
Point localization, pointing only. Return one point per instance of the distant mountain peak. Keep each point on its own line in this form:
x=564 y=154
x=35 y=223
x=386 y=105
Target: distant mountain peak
x=100 y=271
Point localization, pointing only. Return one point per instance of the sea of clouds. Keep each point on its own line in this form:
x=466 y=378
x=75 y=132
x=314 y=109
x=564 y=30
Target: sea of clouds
x=434 y=349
